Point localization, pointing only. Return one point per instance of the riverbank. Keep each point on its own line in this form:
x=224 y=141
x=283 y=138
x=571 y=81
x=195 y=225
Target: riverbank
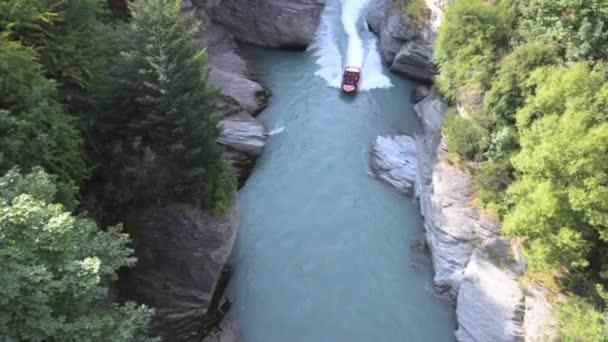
x=474 y=266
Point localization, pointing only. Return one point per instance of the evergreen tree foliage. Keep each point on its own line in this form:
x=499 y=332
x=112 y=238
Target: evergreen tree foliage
x=34 y=129
x=55 y=269
x=75 y=47
x=167 y=113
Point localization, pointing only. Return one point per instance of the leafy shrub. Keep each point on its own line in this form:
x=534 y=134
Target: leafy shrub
x=465 y=137
x=472 y=37
x=580 y=321
x=580 y=28
x=503 y=143
x=418 y=12
x=491 y=181
x=508 y=90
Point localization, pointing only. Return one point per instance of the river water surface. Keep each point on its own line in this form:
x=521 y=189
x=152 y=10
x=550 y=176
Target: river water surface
x=323 y=248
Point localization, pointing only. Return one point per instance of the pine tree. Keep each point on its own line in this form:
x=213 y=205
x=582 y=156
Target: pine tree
x=169 y=108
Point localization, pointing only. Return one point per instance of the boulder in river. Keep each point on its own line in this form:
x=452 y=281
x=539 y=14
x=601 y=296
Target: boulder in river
x=394 y=161
x=182 y=252
x=286 y=24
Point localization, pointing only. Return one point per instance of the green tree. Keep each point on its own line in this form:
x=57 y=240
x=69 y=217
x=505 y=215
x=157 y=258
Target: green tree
x=465 y=137
x=560 y=201
x=168 y=113
x=471 y=39
x=34 y=129
x=74 y=46
x=580 y=28
x=55 y=269
x=507 y=93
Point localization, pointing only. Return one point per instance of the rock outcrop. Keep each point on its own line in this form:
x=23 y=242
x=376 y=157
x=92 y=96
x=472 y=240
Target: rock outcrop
x=394 y=161
x=241 y=96
x=286 y=24
x=474 y=266
x=182 y=253
x=405 y=48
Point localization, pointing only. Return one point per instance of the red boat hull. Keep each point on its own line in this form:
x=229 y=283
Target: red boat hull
x=348 y=88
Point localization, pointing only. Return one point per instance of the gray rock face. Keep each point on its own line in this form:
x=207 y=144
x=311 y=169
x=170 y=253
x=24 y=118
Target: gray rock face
x=243 y=133
x=227 y=331
x=242 y=96
x=394 y=161
x=431 y=110
x=474 y=266
x=181 y=254
x=540 y=323
x=288 y=24
x=420 y=93
x=415 y=61
x=406 y=49
x=490 y=291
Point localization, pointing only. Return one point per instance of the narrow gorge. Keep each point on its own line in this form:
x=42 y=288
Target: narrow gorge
x=324 y=251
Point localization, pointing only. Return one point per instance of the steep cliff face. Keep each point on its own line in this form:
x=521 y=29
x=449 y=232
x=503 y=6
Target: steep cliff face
x=241 y=95
x=474 y=266
x=182 y=252
x=405 y=48
x=286 y=24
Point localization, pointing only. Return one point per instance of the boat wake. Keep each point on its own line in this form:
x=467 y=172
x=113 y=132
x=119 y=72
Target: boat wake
x=349 y=14
x=276 y=130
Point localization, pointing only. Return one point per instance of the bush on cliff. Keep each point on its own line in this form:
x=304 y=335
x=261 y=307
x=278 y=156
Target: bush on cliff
x=465 y=137
x=418 y=12
x=472 y=38
x=561 y=197
x=579 y=28
x=55 y=269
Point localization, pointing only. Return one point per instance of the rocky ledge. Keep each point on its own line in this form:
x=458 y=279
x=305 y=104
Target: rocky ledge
x=181 y=269
x=242 y=97
x=286 y=24
x=406 y=48
x=474 y=266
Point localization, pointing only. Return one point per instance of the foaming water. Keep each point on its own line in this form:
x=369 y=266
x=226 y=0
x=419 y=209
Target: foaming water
x=345 y=20
x=351 y=16
x=325 y=46
x=276 y=130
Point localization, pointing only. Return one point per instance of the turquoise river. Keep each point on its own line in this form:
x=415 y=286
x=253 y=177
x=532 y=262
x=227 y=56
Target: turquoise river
x=323 y=252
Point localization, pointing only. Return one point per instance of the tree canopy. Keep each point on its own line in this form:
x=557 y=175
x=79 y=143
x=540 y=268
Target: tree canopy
x=55 y=269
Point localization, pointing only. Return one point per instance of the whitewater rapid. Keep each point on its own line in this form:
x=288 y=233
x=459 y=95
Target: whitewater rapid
x=361 y=49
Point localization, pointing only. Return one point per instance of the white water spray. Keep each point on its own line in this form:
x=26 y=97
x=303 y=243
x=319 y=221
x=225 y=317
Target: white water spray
x=329 y=56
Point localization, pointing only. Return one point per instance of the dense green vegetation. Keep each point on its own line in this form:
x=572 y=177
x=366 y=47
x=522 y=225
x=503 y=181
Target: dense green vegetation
x=55 y=269
x=102 y=116
x=531 y=83
x=418 y=12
